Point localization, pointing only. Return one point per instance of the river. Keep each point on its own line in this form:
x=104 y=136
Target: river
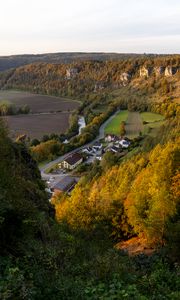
x=81 y=123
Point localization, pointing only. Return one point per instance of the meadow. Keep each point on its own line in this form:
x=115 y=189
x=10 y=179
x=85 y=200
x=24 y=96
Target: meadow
x=114 y=126
x=134 y=123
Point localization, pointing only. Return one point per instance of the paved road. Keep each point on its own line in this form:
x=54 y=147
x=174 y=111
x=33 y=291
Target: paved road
x=61 y=158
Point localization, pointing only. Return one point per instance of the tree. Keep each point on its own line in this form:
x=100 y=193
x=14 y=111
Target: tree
x=122 y=129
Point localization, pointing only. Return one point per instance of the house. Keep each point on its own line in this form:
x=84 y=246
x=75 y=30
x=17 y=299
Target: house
x=99 y=157
x=97 y=146
x=65 y=185
x=66 y=141
x=115 y=149
x=124 y=143
x=88 y=150
x=71 y=161
x=111 y=138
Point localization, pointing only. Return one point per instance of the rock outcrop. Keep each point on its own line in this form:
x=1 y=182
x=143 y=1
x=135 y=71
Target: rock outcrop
x=145 y=71
x=170 y=71
x=125 y=77
x=71 y=73
x=159 y=70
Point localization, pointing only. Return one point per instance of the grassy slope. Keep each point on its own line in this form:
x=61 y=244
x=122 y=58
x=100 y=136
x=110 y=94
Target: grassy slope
x=114 y=126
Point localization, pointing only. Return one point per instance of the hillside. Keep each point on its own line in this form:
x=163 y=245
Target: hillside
x=14 y=61
x=75 y=257
x=76 y=246
x=155 y=77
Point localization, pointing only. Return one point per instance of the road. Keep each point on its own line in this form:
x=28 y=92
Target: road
x=101 y=135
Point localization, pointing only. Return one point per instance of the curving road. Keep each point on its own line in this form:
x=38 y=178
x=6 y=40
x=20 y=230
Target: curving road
x=101 y=135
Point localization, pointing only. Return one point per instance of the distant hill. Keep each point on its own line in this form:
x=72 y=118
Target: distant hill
x=14 y=61
x=153 y=77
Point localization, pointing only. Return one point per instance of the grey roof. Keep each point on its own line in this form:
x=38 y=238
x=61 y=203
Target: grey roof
x=65 y=184
x=73 y=158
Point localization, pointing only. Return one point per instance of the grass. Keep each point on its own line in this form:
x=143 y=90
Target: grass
x=43 y=163
x=134 y=123
x=113 y=127
x=151 y=117
x=154 y=121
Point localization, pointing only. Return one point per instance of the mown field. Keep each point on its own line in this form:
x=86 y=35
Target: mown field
x=114 y=126
x=134 y=123
x=48 y=114
x=151 y=117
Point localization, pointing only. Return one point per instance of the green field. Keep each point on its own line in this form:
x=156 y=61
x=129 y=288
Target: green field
x=154 y=121
x=151 y=117
x=114 y=126
x=134 y=123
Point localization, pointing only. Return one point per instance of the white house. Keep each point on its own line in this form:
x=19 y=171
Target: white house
x=97 y=146
x=71 y=161
x=124 y=143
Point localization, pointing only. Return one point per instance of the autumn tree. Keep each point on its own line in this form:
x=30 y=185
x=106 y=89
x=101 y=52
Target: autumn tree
x=122 y=129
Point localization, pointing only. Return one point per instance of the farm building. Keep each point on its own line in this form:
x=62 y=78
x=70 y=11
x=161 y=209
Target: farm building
x=71 y=161
x=65 y=185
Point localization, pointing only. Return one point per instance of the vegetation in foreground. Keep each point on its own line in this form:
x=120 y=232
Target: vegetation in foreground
x=76 y=258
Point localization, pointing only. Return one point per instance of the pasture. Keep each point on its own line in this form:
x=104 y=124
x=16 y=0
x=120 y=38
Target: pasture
x=134 y=123
x=150 y=117
x=113 y=127
x=153 y=120
x=48 y=115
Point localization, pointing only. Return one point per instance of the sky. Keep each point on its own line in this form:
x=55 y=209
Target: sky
x=123 y=26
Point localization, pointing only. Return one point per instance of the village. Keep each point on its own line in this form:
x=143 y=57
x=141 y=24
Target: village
x=66 y=169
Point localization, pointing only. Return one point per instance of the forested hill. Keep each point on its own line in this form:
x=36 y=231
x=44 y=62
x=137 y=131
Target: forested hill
x=14 y=61
x=80 y=79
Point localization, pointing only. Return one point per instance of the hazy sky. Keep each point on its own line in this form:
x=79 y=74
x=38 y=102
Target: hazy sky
x=37 y=26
